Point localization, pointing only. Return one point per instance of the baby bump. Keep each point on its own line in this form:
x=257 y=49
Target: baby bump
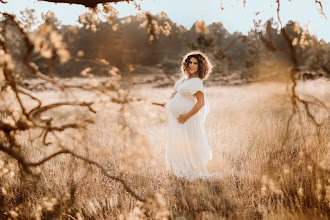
x=180 y=105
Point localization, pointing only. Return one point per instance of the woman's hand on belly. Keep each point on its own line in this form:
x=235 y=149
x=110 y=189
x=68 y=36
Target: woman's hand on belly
x=183 y=118
x=172 y=95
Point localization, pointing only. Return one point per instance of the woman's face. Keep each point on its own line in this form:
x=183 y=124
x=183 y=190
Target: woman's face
x=193 y=65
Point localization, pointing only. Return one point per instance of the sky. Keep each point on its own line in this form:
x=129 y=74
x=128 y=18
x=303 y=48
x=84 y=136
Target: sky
x=235 y=17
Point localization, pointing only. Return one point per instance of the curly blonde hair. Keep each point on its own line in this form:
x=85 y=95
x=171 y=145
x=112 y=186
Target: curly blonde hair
x=204 y=65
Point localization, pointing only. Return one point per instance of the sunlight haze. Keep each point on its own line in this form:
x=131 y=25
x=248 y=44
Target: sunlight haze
x=235 y=17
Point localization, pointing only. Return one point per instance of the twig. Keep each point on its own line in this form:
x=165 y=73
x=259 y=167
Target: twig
x=27 y=165
x=86 y=3
x=321 y=6
x=85 y=159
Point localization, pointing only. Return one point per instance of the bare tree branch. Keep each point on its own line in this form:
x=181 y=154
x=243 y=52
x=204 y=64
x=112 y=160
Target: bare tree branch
x=34 y=119
x=13 y=154
x=86 y=3
x=42 y=109
x=27 y=165
x=321 y=8
x=295 y=99
x=29 y=94
x=35 y=113
x=92 y=162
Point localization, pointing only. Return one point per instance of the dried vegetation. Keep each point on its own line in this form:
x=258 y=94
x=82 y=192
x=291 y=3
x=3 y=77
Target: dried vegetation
x=89 y=149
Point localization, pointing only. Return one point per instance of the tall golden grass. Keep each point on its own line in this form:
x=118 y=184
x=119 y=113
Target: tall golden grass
x=267 y=171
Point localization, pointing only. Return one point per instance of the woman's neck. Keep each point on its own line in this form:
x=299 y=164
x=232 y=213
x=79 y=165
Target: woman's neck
x=193 y=75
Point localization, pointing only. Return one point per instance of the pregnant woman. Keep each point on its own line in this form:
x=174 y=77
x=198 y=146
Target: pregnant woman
x=188 y=151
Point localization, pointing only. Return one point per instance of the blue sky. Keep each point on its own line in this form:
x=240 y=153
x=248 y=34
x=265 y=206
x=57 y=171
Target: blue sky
x=234 y=17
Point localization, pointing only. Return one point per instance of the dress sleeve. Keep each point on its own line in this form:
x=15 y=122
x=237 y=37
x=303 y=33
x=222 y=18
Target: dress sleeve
x=195 y=86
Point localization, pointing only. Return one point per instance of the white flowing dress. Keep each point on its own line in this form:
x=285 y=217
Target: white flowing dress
x=187 y=151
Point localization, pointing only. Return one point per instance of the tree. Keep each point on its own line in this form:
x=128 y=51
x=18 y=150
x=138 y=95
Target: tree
x=18 y=117
x=319 y=57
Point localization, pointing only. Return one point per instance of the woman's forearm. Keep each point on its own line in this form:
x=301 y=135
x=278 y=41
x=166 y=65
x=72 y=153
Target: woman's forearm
x=199 y=104
x=196 y=108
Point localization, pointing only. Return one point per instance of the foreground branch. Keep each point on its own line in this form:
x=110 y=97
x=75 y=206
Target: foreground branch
x=87 y=160
x=26 y=165
x=86 y=3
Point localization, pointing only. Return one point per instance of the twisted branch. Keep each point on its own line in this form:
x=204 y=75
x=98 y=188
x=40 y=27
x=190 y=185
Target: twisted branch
x=86 y=3
x=33 y=117
x=27 y=165
x=321 y=8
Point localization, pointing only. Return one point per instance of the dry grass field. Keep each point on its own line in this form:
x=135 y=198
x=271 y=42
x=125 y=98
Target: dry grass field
x=268 y=170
